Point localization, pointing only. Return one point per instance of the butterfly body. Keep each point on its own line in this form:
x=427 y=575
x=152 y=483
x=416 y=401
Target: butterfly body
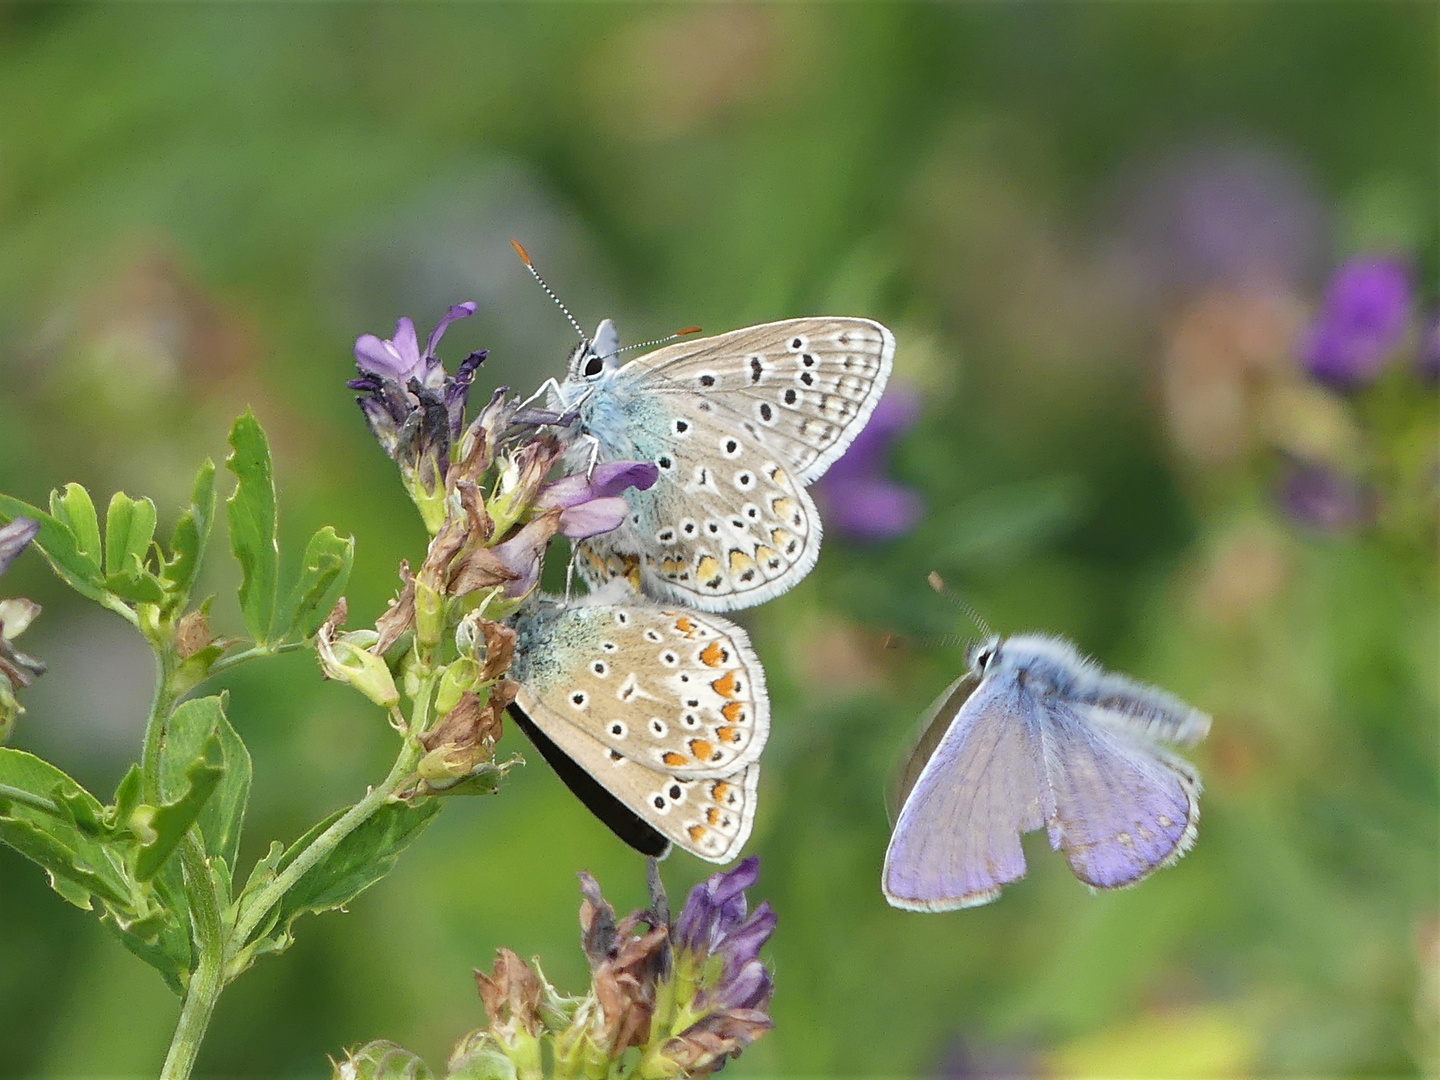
x=1035 y=736
x=738 y=425
x=664 y=710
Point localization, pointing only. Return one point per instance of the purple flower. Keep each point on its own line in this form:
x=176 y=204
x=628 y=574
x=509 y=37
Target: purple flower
x=1231 y=212
x=1365 y=315
x=13 y=539
x=576 y=508
x=855 y=494
x=414 y=409
x=713 y=923
x=1315 y=495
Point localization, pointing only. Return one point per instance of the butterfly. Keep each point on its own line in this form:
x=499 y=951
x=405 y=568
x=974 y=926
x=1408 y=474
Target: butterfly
x=1034 y=735
x=653 y=716
x=738 y=424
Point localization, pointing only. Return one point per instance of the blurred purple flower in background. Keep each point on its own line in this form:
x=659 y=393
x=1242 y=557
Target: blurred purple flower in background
x=1225 y=213
x=856 y=496
x=1364 y=317
x=1316 y=495
x=13 y=539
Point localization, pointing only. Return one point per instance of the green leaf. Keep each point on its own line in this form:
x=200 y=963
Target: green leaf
x=191 y=537
x=351 y=867
x=79 y=865
x=57 y=542
x=76 y=510
x=328 y=558
x=357 y=862
x=199 y=728
x=135 y=584
x=129 y=530
x=251 y=515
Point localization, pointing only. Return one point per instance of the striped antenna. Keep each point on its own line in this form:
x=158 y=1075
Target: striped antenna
x=658 y=341
x=525 y=258
x=938 y=584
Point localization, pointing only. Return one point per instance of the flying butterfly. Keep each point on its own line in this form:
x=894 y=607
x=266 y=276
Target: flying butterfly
x=738 y=424
x=653 y=716
x=1035 y=736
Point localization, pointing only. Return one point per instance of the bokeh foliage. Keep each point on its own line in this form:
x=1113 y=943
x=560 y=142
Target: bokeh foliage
x=201 y=206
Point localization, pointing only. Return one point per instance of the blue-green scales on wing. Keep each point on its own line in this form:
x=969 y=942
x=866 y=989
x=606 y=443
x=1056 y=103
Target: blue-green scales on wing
x=738 y=425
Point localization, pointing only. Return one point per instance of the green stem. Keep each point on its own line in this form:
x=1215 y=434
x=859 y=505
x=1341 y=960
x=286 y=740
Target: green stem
x=30 y=799
x=265 y=899
x=207 y=979
x=157 y=727
x=255 y=652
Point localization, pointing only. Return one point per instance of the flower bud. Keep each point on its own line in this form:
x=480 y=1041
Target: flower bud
x=381 y=1060
x=429 y=614
x=347 y=659
x=461 y=677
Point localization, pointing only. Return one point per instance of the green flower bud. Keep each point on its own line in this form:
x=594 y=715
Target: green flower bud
x=347 y=659
x=381 y=1061
x=429 y=614
x=461 y=677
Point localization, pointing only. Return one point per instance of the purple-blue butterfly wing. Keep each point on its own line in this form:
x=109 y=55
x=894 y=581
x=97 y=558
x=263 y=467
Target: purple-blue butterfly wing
x=957 y=839
x=1124 y=808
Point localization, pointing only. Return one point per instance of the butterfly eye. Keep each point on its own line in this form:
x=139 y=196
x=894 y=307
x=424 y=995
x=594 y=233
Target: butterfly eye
x=982 y=661
x=593 y=367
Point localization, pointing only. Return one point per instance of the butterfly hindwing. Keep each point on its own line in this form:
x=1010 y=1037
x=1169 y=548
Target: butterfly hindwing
x=664 y=709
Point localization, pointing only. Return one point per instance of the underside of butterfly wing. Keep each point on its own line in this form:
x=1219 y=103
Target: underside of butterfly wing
x=674 y=690
x=711 y=818
x=737 y=424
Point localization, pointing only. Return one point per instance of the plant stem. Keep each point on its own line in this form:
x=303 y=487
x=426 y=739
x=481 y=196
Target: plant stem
x=254 y=911
x=30 y=799
x=207 y=979
x=157 y=727
x=255 y=652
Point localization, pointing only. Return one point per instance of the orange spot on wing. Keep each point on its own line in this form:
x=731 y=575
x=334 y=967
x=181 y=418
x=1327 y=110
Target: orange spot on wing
x=701 y=749
x=732 y=711
x=729 y=734
x=674 y=760
x=697 y=833
x=712 y=655
x=719 y=790
x=713 y=815
x=725 y=685
x=684 y=625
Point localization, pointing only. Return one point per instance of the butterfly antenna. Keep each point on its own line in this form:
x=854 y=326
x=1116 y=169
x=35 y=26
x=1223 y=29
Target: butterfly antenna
x=658 y=341
x=938 y=584
x=525 y=258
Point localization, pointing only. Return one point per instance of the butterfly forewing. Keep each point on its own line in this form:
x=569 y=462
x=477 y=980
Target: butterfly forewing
x=807 y=385
x=957 y=839
x=738 y=424
x=928 y=733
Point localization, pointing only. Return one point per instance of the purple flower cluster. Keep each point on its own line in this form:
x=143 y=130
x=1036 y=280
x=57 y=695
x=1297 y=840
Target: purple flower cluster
x=414 y=408
x=1364 y=318
x=856 y=495
x=714 y=924
x=17 y=670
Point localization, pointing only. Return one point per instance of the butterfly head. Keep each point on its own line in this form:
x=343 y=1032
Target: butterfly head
x=596 y=357
x=984 y=656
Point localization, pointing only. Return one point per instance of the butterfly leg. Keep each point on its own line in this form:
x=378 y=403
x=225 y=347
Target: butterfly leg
x=570 y=576
x=548 y=387
x=594 y=453
x=659 y=902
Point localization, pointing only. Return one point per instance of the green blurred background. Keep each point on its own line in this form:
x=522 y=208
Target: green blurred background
x=1096 y=230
